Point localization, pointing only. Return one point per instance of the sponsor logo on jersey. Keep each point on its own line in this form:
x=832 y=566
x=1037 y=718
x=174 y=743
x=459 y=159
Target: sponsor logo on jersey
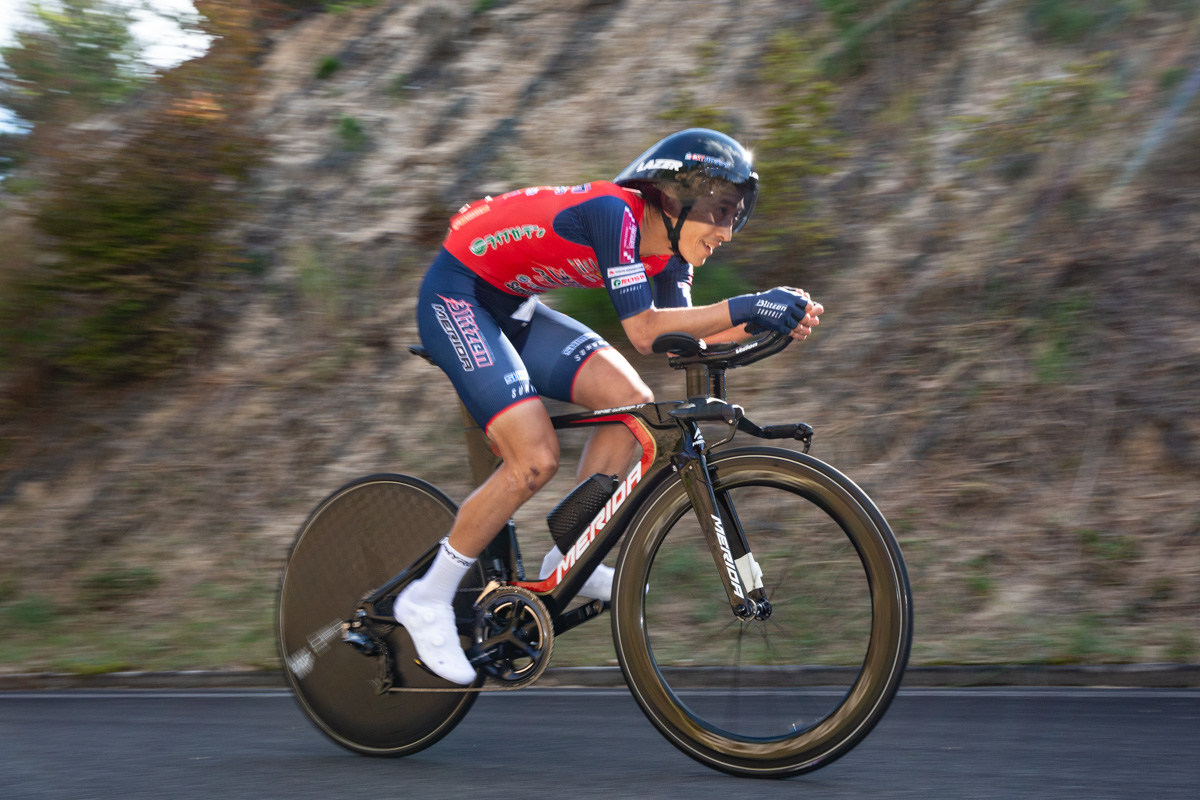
x=457 y=319
x=502 y=237
x=629 y=236
x=586 y=268
x=467 y=214
x=660 y=163
x=628 y=275
x=543 y=279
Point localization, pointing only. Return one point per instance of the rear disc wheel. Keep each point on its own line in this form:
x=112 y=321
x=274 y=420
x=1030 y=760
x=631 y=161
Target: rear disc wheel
x=354 y=541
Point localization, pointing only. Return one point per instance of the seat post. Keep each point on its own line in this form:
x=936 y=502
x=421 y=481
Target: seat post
x=717 y=377
x=698 y=383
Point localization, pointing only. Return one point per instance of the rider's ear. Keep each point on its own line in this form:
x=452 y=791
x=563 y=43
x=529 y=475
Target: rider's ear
x=671 y=205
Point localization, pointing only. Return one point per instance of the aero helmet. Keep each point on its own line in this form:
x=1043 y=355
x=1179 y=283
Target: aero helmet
x=699 y=174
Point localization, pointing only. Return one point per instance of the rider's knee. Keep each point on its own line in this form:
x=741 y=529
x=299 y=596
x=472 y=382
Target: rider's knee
x=534 y=468
x=634 y=393
x=641 y=394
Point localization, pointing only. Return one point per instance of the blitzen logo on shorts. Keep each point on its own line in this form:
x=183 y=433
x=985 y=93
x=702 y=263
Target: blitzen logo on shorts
x=457 y=319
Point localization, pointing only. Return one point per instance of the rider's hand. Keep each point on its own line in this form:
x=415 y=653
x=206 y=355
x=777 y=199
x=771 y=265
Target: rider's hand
x=783 y=309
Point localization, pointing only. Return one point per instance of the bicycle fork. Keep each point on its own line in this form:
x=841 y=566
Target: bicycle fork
x=726 y=539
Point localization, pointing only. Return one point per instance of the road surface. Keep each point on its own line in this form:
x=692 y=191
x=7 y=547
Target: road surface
x=592 y=743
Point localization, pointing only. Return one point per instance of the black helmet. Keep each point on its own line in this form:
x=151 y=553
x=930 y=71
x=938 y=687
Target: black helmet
x=706 y=174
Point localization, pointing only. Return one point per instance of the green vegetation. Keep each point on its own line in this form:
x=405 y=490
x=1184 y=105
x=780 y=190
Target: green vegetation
x=133 y=227
x=1039 y=117
x=351 y=134
x=80 y=58
x=397 y=87
x=1073 y=21
x=327 y=66
x=801 y=144
x=1057 y=336
x=115 y=585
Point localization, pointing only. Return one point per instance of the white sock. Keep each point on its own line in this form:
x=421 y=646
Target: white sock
x=446 y=572
x=549 y=562
x=598 y=584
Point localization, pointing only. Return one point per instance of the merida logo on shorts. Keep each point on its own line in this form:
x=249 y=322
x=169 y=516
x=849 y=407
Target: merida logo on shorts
x=502 y=237
x=457 y=319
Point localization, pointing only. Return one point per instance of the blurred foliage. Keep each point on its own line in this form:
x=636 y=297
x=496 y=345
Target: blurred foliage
x=352 y=134
x=80 y=59
x=117 y=584
x=1073 y=21
x=846 y=16
x=327 y=66
x=131 y=229
x=800 y=144
x=1037 y=117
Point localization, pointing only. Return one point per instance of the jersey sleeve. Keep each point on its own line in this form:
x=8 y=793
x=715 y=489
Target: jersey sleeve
x=673 y=286
x=608 y=226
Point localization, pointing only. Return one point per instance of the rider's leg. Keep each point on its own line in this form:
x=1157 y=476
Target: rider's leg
x=526 y=441
x=606 y=380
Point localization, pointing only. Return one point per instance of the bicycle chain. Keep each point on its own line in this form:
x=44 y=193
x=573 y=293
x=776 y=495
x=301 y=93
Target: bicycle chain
x=490 y=685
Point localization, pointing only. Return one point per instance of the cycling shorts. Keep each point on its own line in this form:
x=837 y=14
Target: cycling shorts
x=498 y=349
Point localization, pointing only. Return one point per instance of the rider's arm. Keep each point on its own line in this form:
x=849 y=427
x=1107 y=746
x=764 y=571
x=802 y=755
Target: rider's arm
x=782 y=309
x=699 y=321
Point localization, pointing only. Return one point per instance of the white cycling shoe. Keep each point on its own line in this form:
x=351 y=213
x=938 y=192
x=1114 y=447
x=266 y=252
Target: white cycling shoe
x=431 y=626
x=597 y=586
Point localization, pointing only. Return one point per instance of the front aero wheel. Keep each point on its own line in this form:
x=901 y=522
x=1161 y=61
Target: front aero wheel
x=355 y=540
x=794 y=691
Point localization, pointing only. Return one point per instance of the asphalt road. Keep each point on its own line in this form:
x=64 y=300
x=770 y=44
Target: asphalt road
x=562 y=743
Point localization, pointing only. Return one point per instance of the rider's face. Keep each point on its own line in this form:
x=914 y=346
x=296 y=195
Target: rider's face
x=699 y=240
x=708 y=224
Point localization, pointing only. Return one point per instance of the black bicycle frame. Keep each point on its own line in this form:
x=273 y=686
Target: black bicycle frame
x=671 y=441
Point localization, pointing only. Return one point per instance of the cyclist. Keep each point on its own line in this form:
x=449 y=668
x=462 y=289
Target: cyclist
x=480 y=320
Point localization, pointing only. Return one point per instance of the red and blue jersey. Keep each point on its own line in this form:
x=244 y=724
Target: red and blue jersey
x=533 y=240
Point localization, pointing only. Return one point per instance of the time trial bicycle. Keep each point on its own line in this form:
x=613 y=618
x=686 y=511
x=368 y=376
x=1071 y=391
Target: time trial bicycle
x=761 y=609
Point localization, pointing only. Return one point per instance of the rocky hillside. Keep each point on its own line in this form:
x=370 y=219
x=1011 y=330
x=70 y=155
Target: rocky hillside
x=1009 y=362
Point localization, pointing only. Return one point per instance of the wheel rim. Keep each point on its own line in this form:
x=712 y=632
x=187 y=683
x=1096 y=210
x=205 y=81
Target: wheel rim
x=790 y=691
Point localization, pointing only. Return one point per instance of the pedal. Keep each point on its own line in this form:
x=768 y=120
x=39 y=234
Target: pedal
x=361 y=642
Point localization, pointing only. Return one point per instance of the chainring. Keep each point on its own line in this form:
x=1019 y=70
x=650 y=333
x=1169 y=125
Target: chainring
x=514 y=626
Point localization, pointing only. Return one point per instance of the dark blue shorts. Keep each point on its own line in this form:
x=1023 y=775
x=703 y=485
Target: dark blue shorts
x=498 y=349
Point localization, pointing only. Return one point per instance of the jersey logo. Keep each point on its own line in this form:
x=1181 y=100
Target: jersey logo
x=628 y=275
x=629 y=235
x=502 y=237
x=468 y=213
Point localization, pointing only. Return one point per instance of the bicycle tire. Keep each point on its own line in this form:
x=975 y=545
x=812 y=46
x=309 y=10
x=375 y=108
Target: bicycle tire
x=796 y=691
x=354 y=541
